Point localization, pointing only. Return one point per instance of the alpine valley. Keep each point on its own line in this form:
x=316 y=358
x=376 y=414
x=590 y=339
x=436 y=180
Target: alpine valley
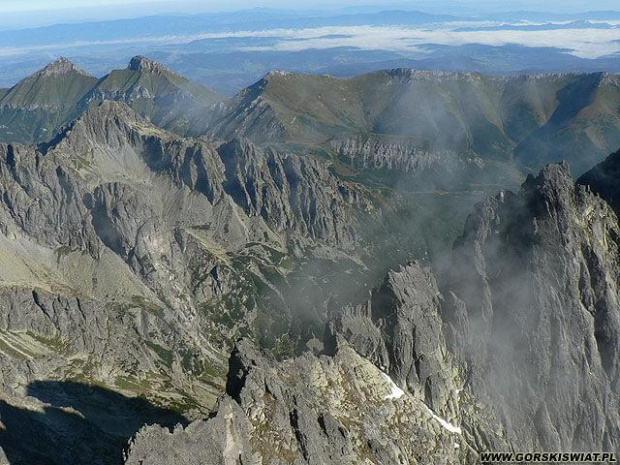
x=392 y=268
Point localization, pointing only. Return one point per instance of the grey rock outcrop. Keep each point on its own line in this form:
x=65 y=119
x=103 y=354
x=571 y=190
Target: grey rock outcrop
x=308 y=410
x=128 y=257
x=288 y=191
x=403 y=155
x=534 y=309
x=400 y=329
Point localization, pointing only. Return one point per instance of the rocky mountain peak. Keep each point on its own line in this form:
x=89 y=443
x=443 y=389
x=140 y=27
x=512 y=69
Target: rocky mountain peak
x=536 y=282
x=62 y=65
x=107 y=122
x=109 y=109
x=107 y=114
x=277 y=73
x=557 y=174
x=553 y=185
x=141 y=63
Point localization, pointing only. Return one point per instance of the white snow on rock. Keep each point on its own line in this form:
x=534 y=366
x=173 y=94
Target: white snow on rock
x=447 y=425
x=397 y=392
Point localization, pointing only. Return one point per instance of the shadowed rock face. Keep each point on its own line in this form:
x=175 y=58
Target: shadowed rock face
x=604 y=180
x=534 y=309
x=65 y=423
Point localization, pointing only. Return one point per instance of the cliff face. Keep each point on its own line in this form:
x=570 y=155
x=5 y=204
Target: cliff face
x=399 y=155
x=129 y=256
x=533 y=305
x=400 y=330
x=290 y=192
x=517 y=352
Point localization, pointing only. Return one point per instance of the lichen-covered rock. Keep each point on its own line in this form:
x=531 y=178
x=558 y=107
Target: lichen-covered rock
x=308 y=410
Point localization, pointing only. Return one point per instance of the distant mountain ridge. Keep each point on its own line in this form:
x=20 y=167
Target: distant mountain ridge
x=530 y=119
x=133 y=256
x=533 y=119
x=35 y=108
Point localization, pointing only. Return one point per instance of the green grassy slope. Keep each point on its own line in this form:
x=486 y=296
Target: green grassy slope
x=490 y=117
x=36 y=107
x=166 y=98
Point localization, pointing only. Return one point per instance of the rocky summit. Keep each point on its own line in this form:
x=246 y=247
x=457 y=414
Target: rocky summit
x=297 y=276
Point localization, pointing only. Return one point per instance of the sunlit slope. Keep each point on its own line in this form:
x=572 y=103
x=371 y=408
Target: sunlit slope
x=166 y=98
x=487 y=116
x=37 y=106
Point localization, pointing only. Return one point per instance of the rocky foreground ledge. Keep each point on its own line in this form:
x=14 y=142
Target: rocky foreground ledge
x=311 y=409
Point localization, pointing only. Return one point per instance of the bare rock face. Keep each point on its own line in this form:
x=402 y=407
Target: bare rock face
x=400 y=329
x=221 y=440
x=130 y=257
x=534 y=309
x=406 y=156
x=140 y=63
x=288 y=191
x=527 y=331
x=313 y=410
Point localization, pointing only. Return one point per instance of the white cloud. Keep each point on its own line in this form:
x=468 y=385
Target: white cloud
x=581 y=42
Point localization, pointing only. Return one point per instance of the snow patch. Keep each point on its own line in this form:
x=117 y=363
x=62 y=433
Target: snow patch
x=396 y=392
x=446 y=424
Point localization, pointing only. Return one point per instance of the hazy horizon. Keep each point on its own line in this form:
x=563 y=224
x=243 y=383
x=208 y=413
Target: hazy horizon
x=40 y=13
x=229 y=50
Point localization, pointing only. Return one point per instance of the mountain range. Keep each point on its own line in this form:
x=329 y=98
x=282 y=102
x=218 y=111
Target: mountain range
x=37 y=107
x=380 y=269
x=527 y=120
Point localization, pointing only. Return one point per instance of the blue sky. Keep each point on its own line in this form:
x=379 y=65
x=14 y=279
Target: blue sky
x=27 y=13
x=11 y=6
